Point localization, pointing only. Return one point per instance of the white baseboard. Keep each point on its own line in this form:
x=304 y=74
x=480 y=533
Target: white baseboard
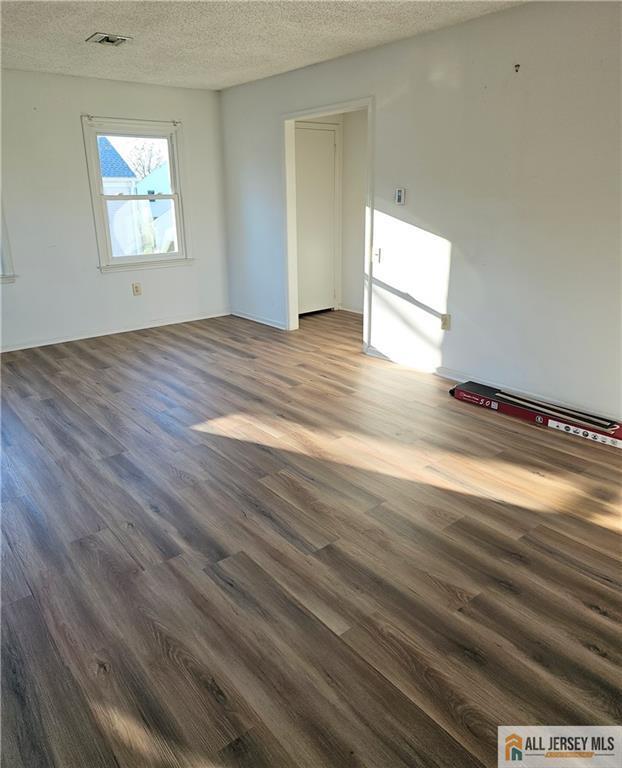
x=348 y=309
x=373 y=352
x=95 y=334
x=259 y=319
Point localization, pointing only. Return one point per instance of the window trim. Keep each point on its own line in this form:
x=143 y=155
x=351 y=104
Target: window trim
x=92 y=127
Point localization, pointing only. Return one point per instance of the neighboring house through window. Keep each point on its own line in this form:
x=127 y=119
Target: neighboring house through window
x=133 y=170
x=117 y=176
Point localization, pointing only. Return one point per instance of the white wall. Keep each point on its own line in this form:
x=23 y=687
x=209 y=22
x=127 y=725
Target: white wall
x=60 y=293
x=354 y=190
x=518 y=172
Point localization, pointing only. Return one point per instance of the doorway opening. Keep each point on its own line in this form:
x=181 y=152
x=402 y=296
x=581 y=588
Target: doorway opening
x=329 y=211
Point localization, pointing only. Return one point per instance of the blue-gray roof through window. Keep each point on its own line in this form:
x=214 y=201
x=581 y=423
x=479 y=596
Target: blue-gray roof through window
x=111 y=162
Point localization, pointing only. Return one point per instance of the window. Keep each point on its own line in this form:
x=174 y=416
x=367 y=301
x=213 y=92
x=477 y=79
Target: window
x=7 y=273
x=133 y=170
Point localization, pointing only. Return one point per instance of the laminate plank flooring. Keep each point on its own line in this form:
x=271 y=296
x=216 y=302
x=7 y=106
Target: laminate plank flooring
x=228 y=546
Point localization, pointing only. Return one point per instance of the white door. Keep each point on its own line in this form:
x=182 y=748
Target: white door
x=315 y=218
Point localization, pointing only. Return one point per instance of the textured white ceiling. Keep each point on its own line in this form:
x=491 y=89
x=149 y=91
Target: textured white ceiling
x=210 y=44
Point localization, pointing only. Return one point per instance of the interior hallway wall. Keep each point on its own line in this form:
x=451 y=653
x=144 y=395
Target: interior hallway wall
x=60 y=293
x=517 y=171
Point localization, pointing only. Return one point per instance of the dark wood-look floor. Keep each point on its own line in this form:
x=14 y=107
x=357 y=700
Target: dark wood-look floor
x=225 y=545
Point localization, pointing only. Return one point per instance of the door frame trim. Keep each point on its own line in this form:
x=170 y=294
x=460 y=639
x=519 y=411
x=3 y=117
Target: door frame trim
x=289 y=163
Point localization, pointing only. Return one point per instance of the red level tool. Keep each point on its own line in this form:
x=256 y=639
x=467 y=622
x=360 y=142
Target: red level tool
x=594 y=428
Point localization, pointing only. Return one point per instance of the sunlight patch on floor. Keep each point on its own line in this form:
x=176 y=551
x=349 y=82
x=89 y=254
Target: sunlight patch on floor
x=491 y=477
x=144 y=743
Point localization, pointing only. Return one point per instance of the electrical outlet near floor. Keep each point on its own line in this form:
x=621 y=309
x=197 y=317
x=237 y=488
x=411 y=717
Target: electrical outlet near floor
x=137 y=289
x=446 y=322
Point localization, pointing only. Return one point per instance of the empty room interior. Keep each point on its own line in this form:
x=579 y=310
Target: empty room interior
x=311 y=384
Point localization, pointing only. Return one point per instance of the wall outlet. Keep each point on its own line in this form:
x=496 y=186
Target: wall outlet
x=137 y=289
x=446 y=322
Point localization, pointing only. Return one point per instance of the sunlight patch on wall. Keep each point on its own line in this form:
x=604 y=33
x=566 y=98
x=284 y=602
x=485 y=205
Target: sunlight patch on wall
x=410 y=286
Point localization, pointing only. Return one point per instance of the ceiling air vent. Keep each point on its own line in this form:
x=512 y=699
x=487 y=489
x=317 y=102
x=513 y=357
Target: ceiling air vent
x=105 y=39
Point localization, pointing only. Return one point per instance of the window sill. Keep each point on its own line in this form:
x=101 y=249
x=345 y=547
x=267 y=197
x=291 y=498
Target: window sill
x=7 y=279
x=156 y=263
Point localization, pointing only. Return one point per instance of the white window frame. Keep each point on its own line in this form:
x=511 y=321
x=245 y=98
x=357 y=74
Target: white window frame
x=7 y=271
x=92 y=127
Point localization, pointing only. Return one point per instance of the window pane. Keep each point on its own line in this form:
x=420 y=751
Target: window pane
x=132 y=165
x=141 y=227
